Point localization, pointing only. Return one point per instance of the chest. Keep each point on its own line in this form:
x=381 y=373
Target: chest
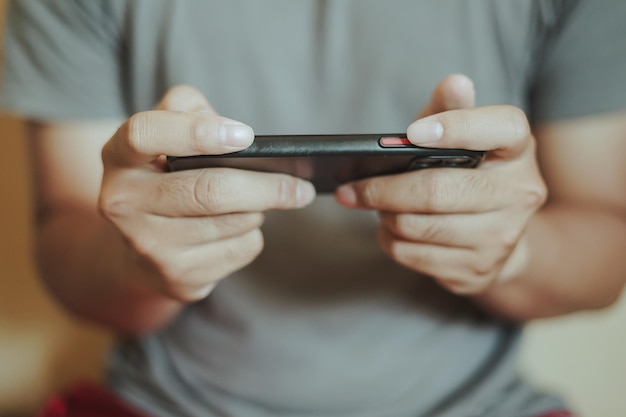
x=328 y=66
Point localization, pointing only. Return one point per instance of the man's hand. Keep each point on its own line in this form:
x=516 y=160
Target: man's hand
x=460 y=226
x=188 y=229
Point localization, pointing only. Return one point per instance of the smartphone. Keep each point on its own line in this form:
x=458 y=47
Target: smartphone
x=331 y=160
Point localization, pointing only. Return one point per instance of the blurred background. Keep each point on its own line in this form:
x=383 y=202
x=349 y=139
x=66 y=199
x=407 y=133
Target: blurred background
x=42 y=350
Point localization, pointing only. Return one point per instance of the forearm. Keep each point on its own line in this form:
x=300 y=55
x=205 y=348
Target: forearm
x=87 y=266
x=574 y=260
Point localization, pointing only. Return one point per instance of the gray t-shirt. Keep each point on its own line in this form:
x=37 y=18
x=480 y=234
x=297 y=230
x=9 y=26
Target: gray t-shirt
x=322 y=323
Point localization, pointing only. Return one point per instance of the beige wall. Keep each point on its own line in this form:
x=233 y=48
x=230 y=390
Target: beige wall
x=41 y=349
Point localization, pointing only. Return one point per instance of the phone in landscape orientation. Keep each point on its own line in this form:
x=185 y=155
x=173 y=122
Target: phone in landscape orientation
x=331 y=160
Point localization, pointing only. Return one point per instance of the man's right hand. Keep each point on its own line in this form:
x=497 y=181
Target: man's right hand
x=188 y=229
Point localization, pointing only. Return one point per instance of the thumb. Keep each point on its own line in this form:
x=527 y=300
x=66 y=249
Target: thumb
x=184 y=98
x=183 y=124
x=454 y=92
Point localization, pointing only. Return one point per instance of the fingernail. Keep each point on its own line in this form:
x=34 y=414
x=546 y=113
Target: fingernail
x=236 y=134
x=305 y=193
x=425 y=131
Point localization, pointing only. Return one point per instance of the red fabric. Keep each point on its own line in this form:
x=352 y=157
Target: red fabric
x=88 y=400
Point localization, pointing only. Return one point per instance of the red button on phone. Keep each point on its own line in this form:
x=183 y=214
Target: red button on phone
x=394 y=142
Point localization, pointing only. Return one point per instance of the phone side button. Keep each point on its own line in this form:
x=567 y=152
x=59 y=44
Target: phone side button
x=394 y=142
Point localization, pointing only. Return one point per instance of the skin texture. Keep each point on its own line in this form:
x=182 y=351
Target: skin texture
x=109 y=245
x=458 y=226
x=487 y=233
x=149 y=241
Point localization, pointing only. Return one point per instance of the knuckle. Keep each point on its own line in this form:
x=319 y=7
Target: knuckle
x=182 y=294
x=287 y=192
x=402 y=224
x=384 y=235
x=468 y=183
x=435 y=231
x=208 y=189
x=535 y=195
x=387 y=241
x=198 y=291
x=457 y=286
x=369 y=193
x=113 y=205
x=399 y=254
x=201 y=129
x=393 y=249
x=244 y=248
x=253 y=244
x=464 y=285
x=406 y=254
x=508 y=239
x=476 y=182
x=188 y=288
x=137 y=129
x=482 y=269
x=436 y=193
x=416 y=227
x=174 y=185
x=464 y=288
x=174 y=272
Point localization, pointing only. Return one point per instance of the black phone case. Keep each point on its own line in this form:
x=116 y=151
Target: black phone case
x=330 y=160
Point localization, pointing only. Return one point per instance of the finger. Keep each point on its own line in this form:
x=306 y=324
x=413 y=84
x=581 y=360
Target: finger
x=460 y=270
x=503 y=129
x=205 y=192
x=428 y=191
x=456 y=91
x=192 y=273
x=146 y=136
x=192 y=231
x=186 y=99
x=453 y=230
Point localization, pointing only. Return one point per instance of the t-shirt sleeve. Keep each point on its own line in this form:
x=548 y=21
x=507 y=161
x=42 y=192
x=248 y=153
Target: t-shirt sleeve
x=62 y=60
x=582 y=67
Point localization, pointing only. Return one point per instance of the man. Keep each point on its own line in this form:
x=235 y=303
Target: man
x=397 y=296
